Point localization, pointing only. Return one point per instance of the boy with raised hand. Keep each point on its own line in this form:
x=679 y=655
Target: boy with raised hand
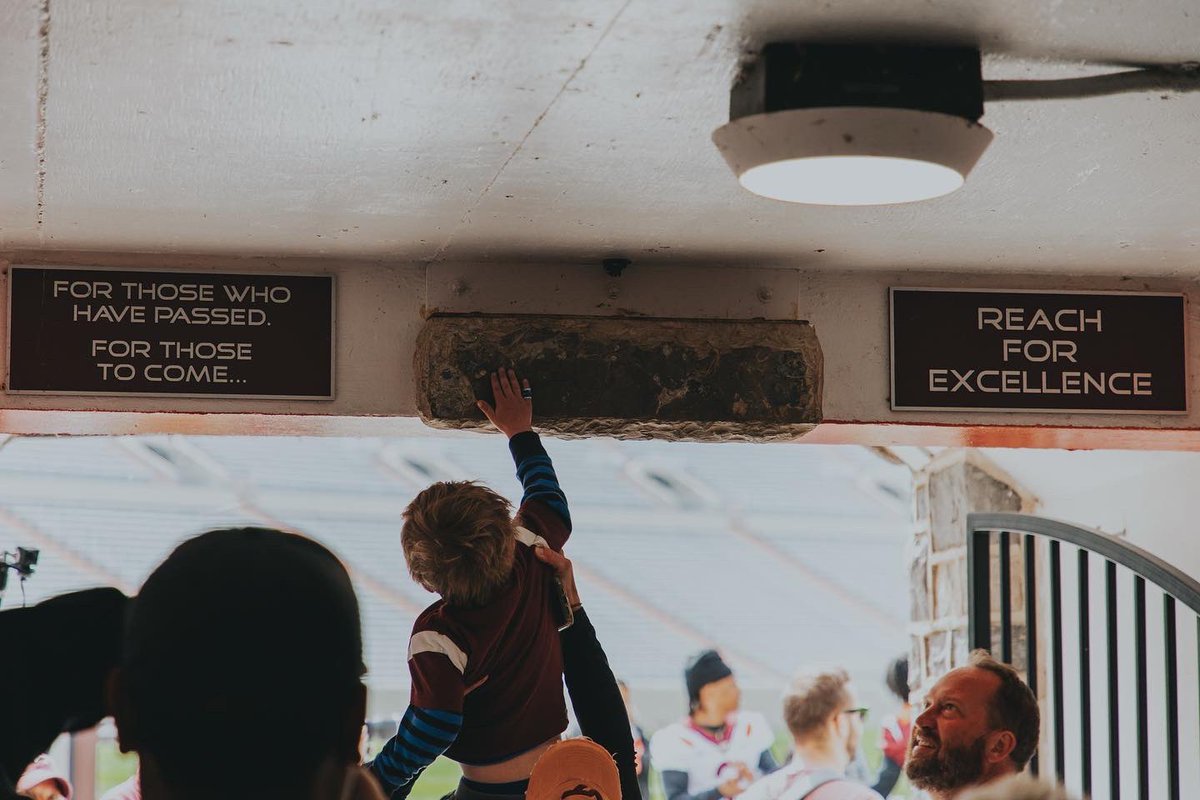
x=485 y=659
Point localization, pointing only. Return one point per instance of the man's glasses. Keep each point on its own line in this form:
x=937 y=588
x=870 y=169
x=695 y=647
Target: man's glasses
x=860 y=711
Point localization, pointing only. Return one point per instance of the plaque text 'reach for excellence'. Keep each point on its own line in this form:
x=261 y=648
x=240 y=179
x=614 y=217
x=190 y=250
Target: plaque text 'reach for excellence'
x=1038 y=351
x=126 y=332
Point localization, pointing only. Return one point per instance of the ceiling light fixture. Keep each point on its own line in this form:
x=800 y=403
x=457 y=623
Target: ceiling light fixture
x=855 y=125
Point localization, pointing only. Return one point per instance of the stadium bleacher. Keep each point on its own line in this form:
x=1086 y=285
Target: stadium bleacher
x=782 y=555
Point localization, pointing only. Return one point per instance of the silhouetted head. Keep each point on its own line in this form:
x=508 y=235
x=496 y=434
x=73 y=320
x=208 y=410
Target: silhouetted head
x=236 y=631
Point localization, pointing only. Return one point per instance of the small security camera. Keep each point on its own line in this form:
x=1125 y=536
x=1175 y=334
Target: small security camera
x=27 y=559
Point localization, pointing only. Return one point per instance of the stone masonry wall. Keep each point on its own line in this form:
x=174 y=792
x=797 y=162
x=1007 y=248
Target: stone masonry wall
x=954 y=484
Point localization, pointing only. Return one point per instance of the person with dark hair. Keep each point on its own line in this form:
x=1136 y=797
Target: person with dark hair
x=895 y=730
x=234 y=628
x=77 y=640
x=717 y=750
x=980 y=723
x=826 y=722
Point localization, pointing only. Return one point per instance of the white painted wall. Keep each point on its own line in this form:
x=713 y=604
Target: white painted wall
x=380 y=308
x=1150 y=498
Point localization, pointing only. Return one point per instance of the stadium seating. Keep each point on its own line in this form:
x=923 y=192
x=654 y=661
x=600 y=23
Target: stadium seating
x=780 y=554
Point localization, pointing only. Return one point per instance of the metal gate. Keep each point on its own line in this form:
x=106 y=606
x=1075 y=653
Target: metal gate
x=1073 y=608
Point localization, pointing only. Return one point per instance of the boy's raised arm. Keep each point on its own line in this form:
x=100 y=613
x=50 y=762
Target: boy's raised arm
x=513 y=416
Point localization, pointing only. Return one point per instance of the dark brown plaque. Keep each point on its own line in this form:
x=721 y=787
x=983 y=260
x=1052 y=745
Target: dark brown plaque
x=1038 y=351
x=126 y=332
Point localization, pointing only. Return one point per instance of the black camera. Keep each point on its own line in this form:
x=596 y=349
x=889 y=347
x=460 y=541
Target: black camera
x=21 y=562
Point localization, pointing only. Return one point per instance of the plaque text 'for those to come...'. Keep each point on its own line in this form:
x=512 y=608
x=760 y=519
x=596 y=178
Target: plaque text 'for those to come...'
x=1038 y=351
x=91 y=331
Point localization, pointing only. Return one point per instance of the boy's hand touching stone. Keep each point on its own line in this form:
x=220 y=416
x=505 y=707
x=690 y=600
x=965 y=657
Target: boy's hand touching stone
x=513 y=412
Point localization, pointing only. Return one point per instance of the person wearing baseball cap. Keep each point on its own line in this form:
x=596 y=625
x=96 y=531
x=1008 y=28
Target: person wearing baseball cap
x=717 y=750
x=42 y=780
x=575 y=768
x=235 y=627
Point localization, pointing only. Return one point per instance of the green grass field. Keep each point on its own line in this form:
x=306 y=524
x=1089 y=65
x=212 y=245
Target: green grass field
x=112 y=766
x=442 y=776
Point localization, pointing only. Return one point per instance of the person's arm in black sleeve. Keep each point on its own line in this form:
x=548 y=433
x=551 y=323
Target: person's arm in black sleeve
x=595 y=696
x=889 y=776
x=767 y=763
x=675 y=786
x=597 y=699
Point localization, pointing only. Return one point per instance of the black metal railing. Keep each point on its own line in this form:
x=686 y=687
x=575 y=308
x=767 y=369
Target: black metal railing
x=1085 y=695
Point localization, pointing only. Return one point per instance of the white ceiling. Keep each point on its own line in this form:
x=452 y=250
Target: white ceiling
x=558 y=130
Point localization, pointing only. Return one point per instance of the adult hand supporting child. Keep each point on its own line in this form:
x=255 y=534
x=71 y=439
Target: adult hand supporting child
x=513 y=412
x=562 y=568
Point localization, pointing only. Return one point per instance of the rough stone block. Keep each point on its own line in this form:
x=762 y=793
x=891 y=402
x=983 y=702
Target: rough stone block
x=921 y=502
x=937 y=653
x=985 y=493
x=950 y=589
x=917 y=673
x=919 y=608
x=695 y=380
x=957 y=490
x=947 y=512
x=962 y=650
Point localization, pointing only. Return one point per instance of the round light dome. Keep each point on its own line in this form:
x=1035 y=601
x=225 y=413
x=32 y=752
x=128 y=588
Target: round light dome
x=851 y=180
x=851 y=156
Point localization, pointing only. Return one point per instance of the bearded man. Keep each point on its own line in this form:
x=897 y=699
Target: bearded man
x=980 y=723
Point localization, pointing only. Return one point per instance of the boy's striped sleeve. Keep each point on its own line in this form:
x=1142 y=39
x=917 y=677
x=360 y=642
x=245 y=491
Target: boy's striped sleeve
x=434 y=717
x=423 y=735
x=536 y=473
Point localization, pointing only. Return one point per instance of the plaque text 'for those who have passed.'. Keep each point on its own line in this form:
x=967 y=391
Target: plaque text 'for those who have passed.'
x=93 y=331
x=1038 y=351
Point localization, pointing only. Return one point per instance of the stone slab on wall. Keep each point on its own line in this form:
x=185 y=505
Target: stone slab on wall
x=952 y=485
x=958 y=490
x=697 y=380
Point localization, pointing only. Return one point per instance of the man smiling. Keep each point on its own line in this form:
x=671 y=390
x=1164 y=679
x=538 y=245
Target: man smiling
x=980 y=723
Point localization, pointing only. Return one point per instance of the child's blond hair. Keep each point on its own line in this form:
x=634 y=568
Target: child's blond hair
x=458 y=540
